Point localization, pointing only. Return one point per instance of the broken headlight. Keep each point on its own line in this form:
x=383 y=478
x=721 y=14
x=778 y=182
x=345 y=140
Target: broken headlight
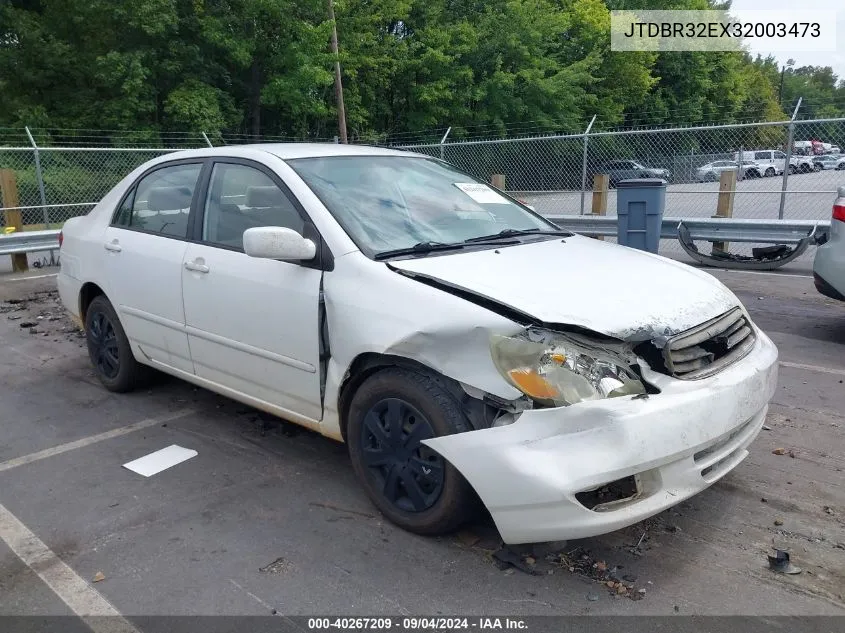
x=556 y=369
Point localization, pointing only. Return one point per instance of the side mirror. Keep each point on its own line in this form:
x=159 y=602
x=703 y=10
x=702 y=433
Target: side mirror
x=278 y=242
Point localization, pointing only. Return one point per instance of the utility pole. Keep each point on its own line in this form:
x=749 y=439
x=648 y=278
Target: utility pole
x=790 y=63
x=338 y=85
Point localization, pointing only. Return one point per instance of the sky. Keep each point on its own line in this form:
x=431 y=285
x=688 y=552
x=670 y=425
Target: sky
x=802 y=58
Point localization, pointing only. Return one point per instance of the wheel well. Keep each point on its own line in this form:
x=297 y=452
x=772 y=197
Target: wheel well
x=365 y=365
x=86 y=295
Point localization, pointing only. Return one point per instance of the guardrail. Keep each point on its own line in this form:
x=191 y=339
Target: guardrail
x=800 y=233
x=706 y=229
x=29 y=242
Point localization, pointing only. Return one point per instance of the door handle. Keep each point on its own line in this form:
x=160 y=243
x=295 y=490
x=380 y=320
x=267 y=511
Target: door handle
x=113 y=246
x=196 y=267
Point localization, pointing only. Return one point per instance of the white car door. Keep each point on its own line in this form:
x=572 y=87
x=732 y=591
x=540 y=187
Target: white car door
x=253 y=324
x=145 y=246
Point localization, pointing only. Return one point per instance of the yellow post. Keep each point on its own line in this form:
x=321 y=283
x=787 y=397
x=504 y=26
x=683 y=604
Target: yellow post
x=725 y=203
x=13 y=219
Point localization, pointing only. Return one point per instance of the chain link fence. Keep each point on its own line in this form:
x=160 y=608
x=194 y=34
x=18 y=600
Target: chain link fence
x=64 y=182
x=775 y=178
x=555 y=174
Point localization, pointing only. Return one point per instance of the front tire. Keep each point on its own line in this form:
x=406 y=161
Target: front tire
x=109 y=349
x=411 y=484
x=770 y=172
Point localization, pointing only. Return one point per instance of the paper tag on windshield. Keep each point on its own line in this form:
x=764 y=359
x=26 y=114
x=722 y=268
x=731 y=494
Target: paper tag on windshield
x=481 y=193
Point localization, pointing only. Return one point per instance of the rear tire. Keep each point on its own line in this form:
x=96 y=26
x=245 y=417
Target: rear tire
x=109 y=349
x=409 y=483
x=770 y=172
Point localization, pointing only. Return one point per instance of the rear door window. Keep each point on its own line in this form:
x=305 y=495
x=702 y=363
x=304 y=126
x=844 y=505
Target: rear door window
x=161 y=201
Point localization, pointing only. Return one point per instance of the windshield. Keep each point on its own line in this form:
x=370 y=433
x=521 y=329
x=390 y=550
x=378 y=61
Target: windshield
x=387 y=203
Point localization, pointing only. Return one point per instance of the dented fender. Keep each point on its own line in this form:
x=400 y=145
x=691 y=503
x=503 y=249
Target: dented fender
x=392 y=314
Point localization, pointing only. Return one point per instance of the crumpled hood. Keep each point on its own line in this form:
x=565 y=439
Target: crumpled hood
x=610 y=289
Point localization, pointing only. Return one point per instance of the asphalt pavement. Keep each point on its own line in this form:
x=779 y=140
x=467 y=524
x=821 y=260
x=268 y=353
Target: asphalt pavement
x=268 y=518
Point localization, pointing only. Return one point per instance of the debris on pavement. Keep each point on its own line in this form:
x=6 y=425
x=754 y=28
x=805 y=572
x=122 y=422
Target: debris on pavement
x=99 y=577
x=766 y=427
x=276 y=567
x=778 y=521
x=330 y=506
x=779 y=451
x=780 y=563
x=44 y=310
x=580 y=562
x=592 y=597
x=828 y=510
x=506 y=558
x=468 y=538
x=640 y=542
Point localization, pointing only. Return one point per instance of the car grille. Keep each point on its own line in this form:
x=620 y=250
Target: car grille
x=710 y=347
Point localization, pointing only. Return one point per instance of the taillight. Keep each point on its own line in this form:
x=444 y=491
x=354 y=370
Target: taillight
x=839 y=212
x=61 y=238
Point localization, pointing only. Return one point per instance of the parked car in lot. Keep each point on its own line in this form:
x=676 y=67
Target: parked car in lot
x=801 y=164
x=825 y=162
x=829 y=263
x=840 y=162
x=458 y=343
x=771 y=161
x=618 y=170
x=713 y=171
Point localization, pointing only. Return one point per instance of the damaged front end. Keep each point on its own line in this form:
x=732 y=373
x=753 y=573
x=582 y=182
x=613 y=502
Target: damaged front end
x=590 y=451
x=558 y=369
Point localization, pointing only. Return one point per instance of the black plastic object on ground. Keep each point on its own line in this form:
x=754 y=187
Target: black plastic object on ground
x=780 y=563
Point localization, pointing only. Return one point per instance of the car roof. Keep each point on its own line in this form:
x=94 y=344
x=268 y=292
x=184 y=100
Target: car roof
x=296 y=150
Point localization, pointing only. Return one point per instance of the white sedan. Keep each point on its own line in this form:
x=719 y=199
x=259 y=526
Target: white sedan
x=460 y=344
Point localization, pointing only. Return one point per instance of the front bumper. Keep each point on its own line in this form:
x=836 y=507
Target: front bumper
x=675 y=444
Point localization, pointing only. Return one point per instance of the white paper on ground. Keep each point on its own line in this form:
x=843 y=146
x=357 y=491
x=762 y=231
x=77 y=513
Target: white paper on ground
x=481 y=193
x=154 y=463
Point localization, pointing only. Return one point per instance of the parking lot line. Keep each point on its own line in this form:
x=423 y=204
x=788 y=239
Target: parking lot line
x=818 y=368
x=92 y=439
x=31 y=277
x=74 y=591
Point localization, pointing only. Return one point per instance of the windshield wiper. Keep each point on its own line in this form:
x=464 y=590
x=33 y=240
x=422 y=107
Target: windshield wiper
x=419 y=249
x=516 y=233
